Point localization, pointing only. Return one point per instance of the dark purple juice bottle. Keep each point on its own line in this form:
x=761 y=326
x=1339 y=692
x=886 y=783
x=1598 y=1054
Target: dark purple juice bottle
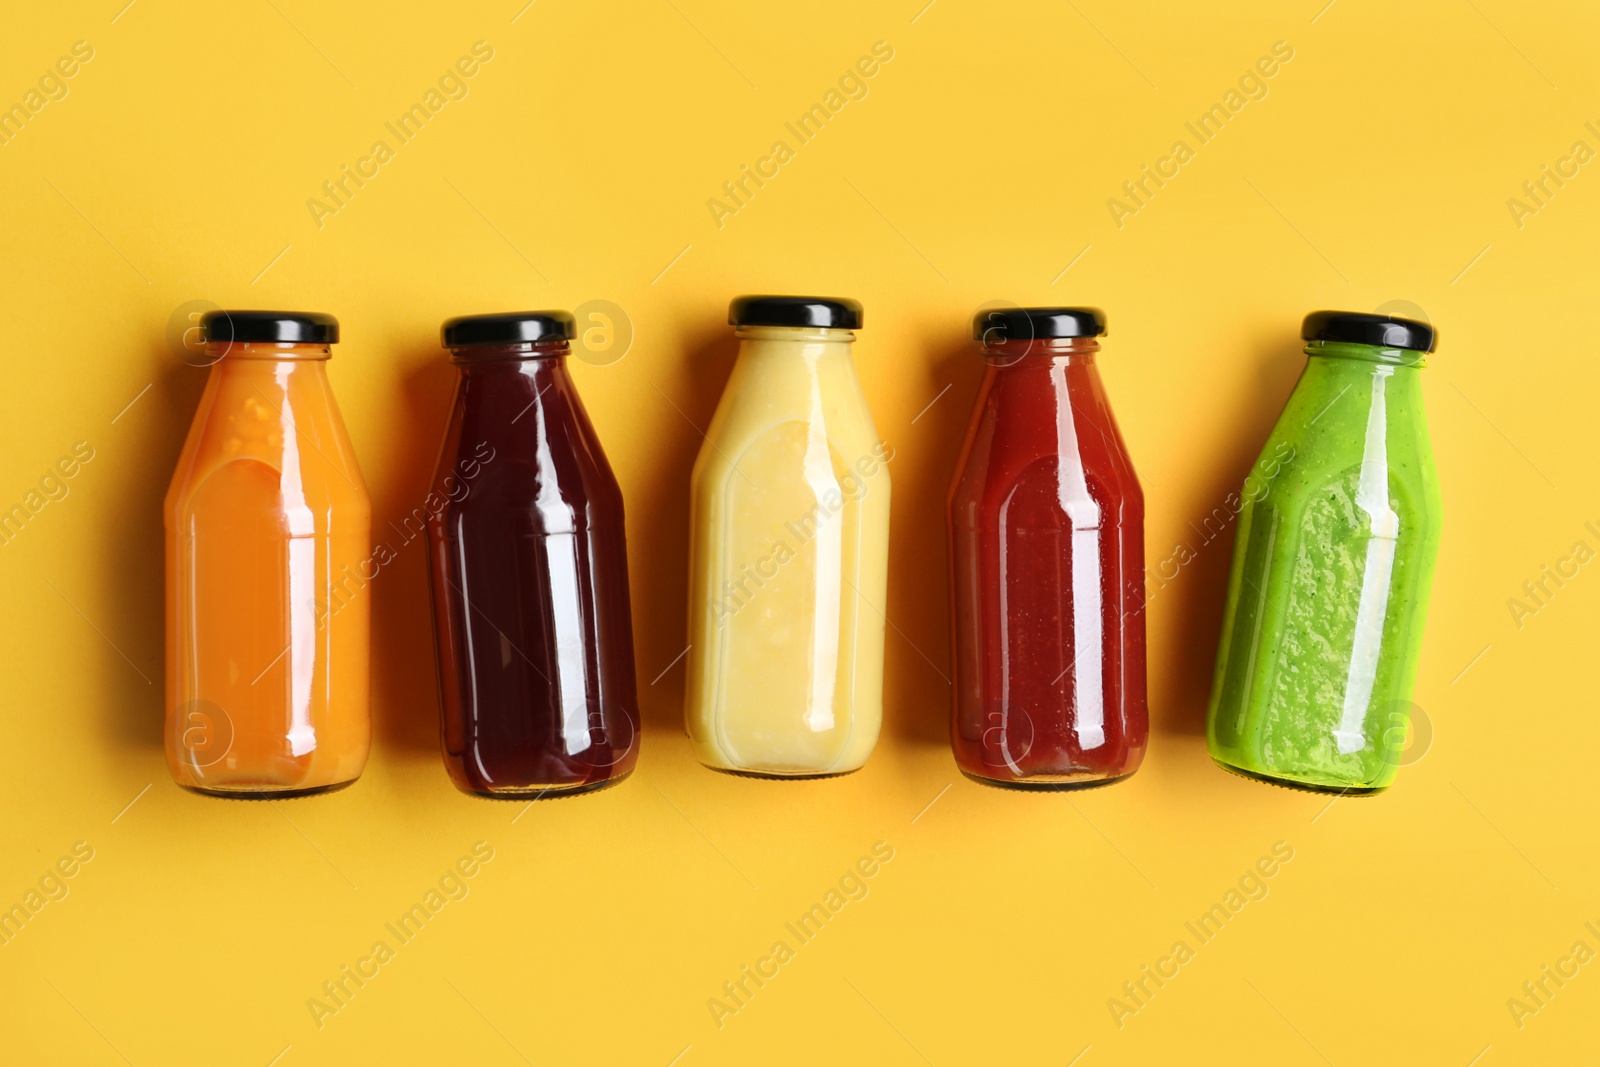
x=529 y=564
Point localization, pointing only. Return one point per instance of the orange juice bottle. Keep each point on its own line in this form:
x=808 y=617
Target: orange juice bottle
x=268 y=545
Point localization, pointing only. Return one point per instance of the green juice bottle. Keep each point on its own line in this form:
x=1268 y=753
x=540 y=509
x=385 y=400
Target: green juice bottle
x=1331 y=568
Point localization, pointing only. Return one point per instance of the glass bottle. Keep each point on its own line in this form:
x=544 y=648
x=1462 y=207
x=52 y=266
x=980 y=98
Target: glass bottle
x=789 y=541
x=1046 y=524
x=1331 y=567
x=529 y=565
x=268 y=546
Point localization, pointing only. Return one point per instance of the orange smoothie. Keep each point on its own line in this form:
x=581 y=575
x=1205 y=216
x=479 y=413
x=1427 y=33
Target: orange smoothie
x=268 y=552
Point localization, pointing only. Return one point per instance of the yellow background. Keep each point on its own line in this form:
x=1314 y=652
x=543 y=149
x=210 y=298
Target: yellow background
x=1377 y=169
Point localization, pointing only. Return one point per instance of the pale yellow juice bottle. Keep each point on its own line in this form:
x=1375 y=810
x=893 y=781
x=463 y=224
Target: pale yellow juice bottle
x=789 y=551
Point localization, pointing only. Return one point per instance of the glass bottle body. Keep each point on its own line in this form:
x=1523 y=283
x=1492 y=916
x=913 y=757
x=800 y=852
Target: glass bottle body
x=268 y=554
x=1046 y=528
x=529 y=564
x=789 y=535
x=1331 y=571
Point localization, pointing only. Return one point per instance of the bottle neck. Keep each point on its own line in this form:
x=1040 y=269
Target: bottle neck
x=475 y=356
x=803 y=340
x=1041 y=351
x=1342 y=350
x=240 y=351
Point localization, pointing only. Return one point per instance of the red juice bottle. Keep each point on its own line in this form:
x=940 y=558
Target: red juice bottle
x=529 y=566
x=1046 y=524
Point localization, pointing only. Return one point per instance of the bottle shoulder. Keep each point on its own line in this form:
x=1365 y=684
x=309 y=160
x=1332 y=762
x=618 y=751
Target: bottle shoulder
x=1044 y=490
x=769 y=390
x=519 y=440
x=253 y=496
x=1322 y=501
x=250 y=461
x=1042 y=438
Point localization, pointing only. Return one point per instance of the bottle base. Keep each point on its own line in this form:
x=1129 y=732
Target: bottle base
x=1325 y=788
x=266 y=792
x=1046 y=785
x=549 y=792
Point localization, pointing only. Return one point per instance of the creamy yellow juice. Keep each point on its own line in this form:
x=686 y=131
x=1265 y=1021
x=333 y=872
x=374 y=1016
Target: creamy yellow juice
x=789 y=544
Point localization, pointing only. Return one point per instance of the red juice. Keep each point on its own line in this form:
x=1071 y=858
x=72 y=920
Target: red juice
x=530 y=572
x=1046 y=523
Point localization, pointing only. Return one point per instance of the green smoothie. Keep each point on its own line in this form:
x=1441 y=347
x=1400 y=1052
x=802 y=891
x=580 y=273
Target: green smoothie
x=1331 y=568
